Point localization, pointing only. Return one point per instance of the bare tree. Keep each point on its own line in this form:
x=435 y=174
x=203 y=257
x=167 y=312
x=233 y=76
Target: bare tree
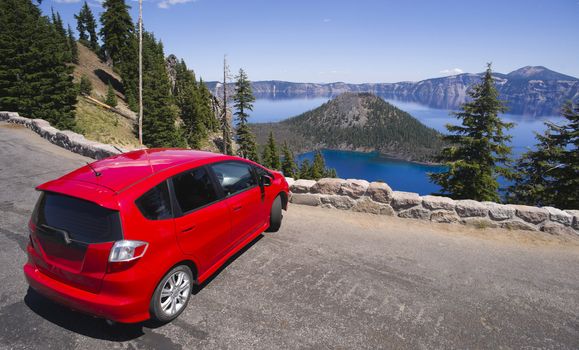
x=225 y=124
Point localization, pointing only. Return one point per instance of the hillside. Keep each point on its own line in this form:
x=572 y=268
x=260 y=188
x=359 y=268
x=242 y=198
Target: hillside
x=356 y=121
x=531 y=90
x=93 y=121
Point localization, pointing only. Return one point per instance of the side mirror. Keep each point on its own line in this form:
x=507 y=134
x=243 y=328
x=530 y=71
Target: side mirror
x=266 y=180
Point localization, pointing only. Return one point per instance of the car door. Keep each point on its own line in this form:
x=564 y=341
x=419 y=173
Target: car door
x=243 y=196
x=202 y=223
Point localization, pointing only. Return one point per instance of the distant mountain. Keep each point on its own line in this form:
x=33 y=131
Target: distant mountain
x=357 y=122
x=531 y=90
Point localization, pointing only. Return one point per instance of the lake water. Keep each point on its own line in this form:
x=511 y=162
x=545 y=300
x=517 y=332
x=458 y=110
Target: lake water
x=400 y=175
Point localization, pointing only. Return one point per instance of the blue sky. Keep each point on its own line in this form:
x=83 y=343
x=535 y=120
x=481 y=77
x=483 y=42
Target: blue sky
x=359 y=40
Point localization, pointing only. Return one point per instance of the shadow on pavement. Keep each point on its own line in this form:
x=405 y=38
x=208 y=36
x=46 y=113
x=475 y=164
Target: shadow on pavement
x=97 y=327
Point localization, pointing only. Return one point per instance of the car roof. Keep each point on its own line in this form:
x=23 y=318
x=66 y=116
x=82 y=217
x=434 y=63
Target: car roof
x=123 y=170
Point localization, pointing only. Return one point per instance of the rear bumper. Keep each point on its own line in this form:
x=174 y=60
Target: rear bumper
x=112 y=307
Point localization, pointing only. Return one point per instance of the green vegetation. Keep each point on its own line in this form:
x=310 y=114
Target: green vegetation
x=111 y=98
x=85 y=86
x=159 y=113
x=549 y=175
x=194 y=102
x=477 y=153
x=72 y=46
x=86 y=26
x=243 y=102
x=120 y=45
x=288 y=164
x=35 y=79
x=270 y=154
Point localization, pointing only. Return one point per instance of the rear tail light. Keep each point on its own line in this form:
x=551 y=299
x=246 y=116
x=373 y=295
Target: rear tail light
x=123 y=251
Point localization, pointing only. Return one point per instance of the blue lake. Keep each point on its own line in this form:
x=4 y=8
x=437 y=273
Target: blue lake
x=400 y=175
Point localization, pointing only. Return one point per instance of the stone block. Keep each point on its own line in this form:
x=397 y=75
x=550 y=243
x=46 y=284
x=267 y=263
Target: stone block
x=530 y=214
x=302 y=186
x=354 y=188
x=306 y=199
x=436 y=203
x=405 y=200
x=415 y=213
x=445 y=216
x=470 y=208
x=500 y=211
x=328 y=186
x=338 y=202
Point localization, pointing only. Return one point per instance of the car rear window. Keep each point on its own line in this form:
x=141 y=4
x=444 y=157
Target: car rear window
x=84 y=221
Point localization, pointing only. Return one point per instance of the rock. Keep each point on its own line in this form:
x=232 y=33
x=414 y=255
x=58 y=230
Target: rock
x=575 y=214
x=306 y=199
x=290 y=181
x=302 y=186
x=559 y=216
x=518 y=225
x=479 y=222
x=405 y=200
x=354 y=188
x=499 y=211
x=558 y=229
x=436 y=202
x=533 y=215
x=366 y=205
x=446 y=216
x=470 y=208
x=328 y=186
x=380 y=192
x=338 y=202
x=415 y=213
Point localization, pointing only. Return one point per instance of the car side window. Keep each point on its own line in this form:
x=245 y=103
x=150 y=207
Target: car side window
x=194 y=189
x=234 y=177
x=155 y=204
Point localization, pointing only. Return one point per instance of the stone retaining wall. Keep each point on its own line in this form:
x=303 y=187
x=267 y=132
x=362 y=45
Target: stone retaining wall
x=378 y=198
x=69 y=140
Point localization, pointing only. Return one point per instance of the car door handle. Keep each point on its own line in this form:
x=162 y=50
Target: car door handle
x=238 y=208
x=188 y=229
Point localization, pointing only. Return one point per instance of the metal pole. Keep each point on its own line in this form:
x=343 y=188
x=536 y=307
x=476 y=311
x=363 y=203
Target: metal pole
x=141 y=72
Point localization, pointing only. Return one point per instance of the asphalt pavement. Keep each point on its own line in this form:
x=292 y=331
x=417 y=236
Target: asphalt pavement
x=328 y=279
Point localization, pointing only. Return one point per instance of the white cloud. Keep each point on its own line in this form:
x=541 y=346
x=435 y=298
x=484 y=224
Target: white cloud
x=452 y=71
x=326 y=20
x=165 y=4
x=66 y=1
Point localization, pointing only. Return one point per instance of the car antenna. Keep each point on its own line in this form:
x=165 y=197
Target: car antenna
x=96 y=173
x=118 y=149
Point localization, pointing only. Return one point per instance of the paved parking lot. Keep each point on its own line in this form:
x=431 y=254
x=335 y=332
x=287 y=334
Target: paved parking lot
x=328 y=279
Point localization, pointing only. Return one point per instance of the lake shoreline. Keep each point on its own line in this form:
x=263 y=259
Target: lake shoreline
x=380 y=155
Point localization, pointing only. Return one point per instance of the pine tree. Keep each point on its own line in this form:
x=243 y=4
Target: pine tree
x=160 y=114
x=191 y=106
x=318 y=169
x=111 y=98
x=305 y=170
x=209 y=118
x=85 y=85
x=86 y=26
x=72 y=46
x=62 y=37
x=270 y=156
x=288 y=165
x=120 y=45
x=477 y=153
x=34 y=77
x=243 y=102
x=549 y=174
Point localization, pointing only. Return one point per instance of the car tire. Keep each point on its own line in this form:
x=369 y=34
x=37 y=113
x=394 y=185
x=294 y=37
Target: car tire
x=275 y=215
x=172 y=294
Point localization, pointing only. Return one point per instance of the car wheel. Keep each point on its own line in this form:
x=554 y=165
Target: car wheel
x=275 y=216
x=172 y=294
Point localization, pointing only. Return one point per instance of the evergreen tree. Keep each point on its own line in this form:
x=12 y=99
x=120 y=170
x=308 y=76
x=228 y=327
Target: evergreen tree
x=111 y=98
x=85 y=86
x=72 y=46
x=549 y=175
x=191 y=106
x=288 y=165
x=159 y=113
x=62 y=37
x=305 y=170
x=34 y=77
x=243 y=102
x=86 y=26
x=120 y=45
x=270 y=156
x=209 y=118
x=318 y=167
x=478 y=153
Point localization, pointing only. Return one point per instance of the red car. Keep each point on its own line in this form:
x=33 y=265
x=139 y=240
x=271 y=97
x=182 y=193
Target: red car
x=125 y=238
